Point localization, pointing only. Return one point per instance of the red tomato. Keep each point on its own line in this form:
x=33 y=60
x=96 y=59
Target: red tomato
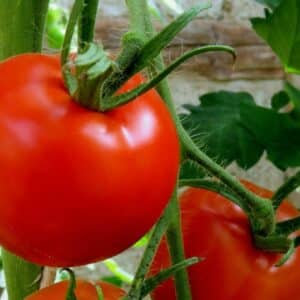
x=84 y=291
x=78 y=186
x=233 y=269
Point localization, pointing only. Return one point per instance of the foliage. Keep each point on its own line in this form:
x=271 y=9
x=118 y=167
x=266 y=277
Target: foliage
x=281 y=30
x=270 y=3
x=230 y=127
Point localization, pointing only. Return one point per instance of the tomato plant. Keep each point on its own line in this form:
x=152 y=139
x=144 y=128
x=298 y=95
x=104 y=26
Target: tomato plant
x=217 y=230
x=89 y=159
x=84 y=291
x=72 y=179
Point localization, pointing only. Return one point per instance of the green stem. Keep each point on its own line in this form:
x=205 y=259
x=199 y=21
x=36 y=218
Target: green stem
x=136 y=8
x=70 y=294
x=21 y=26
x=152 y=282
x=213 y=186
x=21 y=30
x=69 y=79
x=273 y=243
x=140 y=49
x=22 y=278
x=139 y=19
x=156 y=236
x=260 y=211
x=262 y=214
x=286 y=256
x=174 y=237
x=115 y=101
x=289 y=186
x=86 y=24
x=289 y=226
x=74 y=16
x=115 y=269
x=297 y=241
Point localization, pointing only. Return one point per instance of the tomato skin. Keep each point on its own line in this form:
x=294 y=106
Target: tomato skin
x=77 y=186
x=84 y=291
x=233 y=269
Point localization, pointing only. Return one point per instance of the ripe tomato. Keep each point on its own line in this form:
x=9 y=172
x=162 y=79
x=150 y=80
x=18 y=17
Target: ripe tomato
x=77 y=186
x=233 y=269
x=84 y=291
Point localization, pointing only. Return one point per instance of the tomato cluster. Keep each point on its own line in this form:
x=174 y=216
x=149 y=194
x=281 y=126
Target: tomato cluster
x=72 y=179
x=218 y=231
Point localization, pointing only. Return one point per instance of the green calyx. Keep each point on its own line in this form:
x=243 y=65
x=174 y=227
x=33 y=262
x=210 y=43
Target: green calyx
x=93 y=77
x=262 y=217
x=90 y=71
x=273 y=243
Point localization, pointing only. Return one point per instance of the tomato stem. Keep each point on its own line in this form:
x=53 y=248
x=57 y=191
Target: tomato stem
x=176 y=249
x=141 y=49
x=139 y=20
x=21 y=26
x=22 y=278
x=288 y=187
x=69 y=79
x=274 y=243
x=287 y=255
x=260 y=212
x=173 y=214
x=21 y=30
x=152 y=282
x=86 y=24
x=115 y=101
x=158 y=231
x=288 y=226
x=70 y=294
x=214 y=186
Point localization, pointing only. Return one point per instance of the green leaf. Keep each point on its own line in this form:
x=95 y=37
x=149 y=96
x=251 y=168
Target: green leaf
x=279 y=134
x=280 y=100
x=289 y=99
x=155 y=45
x=217 y=129
x=190 y=169
x=231 y=127
x=294 y=95
x=281 y=30
x=270 y=3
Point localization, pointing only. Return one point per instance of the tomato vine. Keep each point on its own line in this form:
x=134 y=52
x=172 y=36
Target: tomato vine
x=93 y=80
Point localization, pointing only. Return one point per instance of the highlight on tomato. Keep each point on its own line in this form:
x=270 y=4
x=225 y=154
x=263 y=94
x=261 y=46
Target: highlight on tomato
x=78 y=186
x=85 y=290
x=218 y=231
